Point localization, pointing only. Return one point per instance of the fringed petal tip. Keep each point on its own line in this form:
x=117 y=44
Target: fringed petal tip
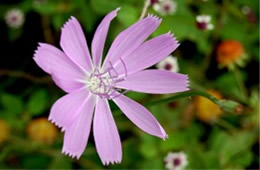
x=164 y=136
x=187 y=82
x=107 y=162
x=56 y=124
x=70 y=154
x=40 y=45
x=117 y=9
x=71 y=19
x=158 y=19
x=176 y=42
x=155 y=17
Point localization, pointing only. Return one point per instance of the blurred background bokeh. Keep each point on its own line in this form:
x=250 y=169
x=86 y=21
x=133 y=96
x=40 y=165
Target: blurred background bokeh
x=219 y=51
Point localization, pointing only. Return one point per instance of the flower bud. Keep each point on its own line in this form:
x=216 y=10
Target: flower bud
x=4 y=131
x=41 y=130
x=230 y=106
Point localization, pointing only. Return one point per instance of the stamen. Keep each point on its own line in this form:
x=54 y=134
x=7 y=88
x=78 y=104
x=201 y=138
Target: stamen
x=123 y=63
x=119 y=94
x=103 y=83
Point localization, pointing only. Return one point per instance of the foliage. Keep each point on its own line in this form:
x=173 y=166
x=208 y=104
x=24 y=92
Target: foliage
x=229 y=142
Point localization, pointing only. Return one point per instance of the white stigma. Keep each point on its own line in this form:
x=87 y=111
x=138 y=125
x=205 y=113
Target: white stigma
x=100 y=84
x=103 y=82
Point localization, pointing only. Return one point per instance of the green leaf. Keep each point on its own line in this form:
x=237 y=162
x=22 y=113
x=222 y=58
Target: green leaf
x=38 y=102
x=35 y=161
x=128 y=15
x=104 y=6
x=228 y=80
x=61 y=162
x=87 y=15
x=12 y=104
x=45 y=8
x=243 y=159
x=176 y=141
x=148 y=147
x=228 y=147
x=136 y=95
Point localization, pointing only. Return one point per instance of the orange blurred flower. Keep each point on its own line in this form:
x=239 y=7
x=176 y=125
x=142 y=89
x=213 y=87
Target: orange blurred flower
x=4 y=131
x=42 y=130
x=229 y=52
x=205 y=109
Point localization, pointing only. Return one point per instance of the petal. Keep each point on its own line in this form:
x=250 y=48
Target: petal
x=66 y=109
x=98 y=41
x=74 y=44
x=53 y=61
x=76 y=136
x=106 y=136
x=140 y=116
x=131 y=38
x=155 y=81
x=148 y=54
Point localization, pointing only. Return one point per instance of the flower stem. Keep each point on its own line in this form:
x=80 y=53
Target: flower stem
x=146 y=5
x=184 y=95
x=240 y=83
x=226 y=105
x=226 y=125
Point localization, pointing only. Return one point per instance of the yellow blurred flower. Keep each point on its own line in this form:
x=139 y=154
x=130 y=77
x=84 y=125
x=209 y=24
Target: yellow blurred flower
x=230 y=52
x=205 y=109
x=4 y=131
x=42 y=130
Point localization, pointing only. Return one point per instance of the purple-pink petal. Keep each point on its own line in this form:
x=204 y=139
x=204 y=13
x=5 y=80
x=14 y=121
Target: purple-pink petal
x=53 y=61
x=68 y=108
x=155 y=82
x=148 y=54
x=74 y=44
x=131 y=38
x=76 y=136
x=106 y=136
x=140 y=116
x=100 y=35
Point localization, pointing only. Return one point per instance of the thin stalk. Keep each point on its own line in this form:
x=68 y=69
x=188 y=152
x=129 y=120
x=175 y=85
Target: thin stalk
x=177 y=97
x=184 y=95
x=240 y=83
x=226 y=125
x=144 y=11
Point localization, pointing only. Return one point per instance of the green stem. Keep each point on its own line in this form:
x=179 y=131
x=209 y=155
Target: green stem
x=240 y=83
x=146 y=5
x=226 y=125
x=184 y=95
x=225 y=105
x=176 y=97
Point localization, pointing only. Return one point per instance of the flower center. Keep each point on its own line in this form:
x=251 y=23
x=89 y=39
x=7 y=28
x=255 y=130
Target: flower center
x=168 y=66
x=103 y=83
x=176 y=162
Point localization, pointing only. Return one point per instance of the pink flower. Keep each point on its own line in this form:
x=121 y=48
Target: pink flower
x=90 y=84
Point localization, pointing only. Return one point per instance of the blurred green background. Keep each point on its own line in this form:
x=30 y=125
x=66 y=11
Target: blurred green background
x=211 y=138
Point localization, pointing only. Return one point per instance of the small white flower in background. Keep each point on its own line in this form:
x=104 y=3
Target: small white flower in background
x=170 y=64
x=14 y=18
x=246 y=10
x=176 y=161
x=204 y=22
x=164 y=7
